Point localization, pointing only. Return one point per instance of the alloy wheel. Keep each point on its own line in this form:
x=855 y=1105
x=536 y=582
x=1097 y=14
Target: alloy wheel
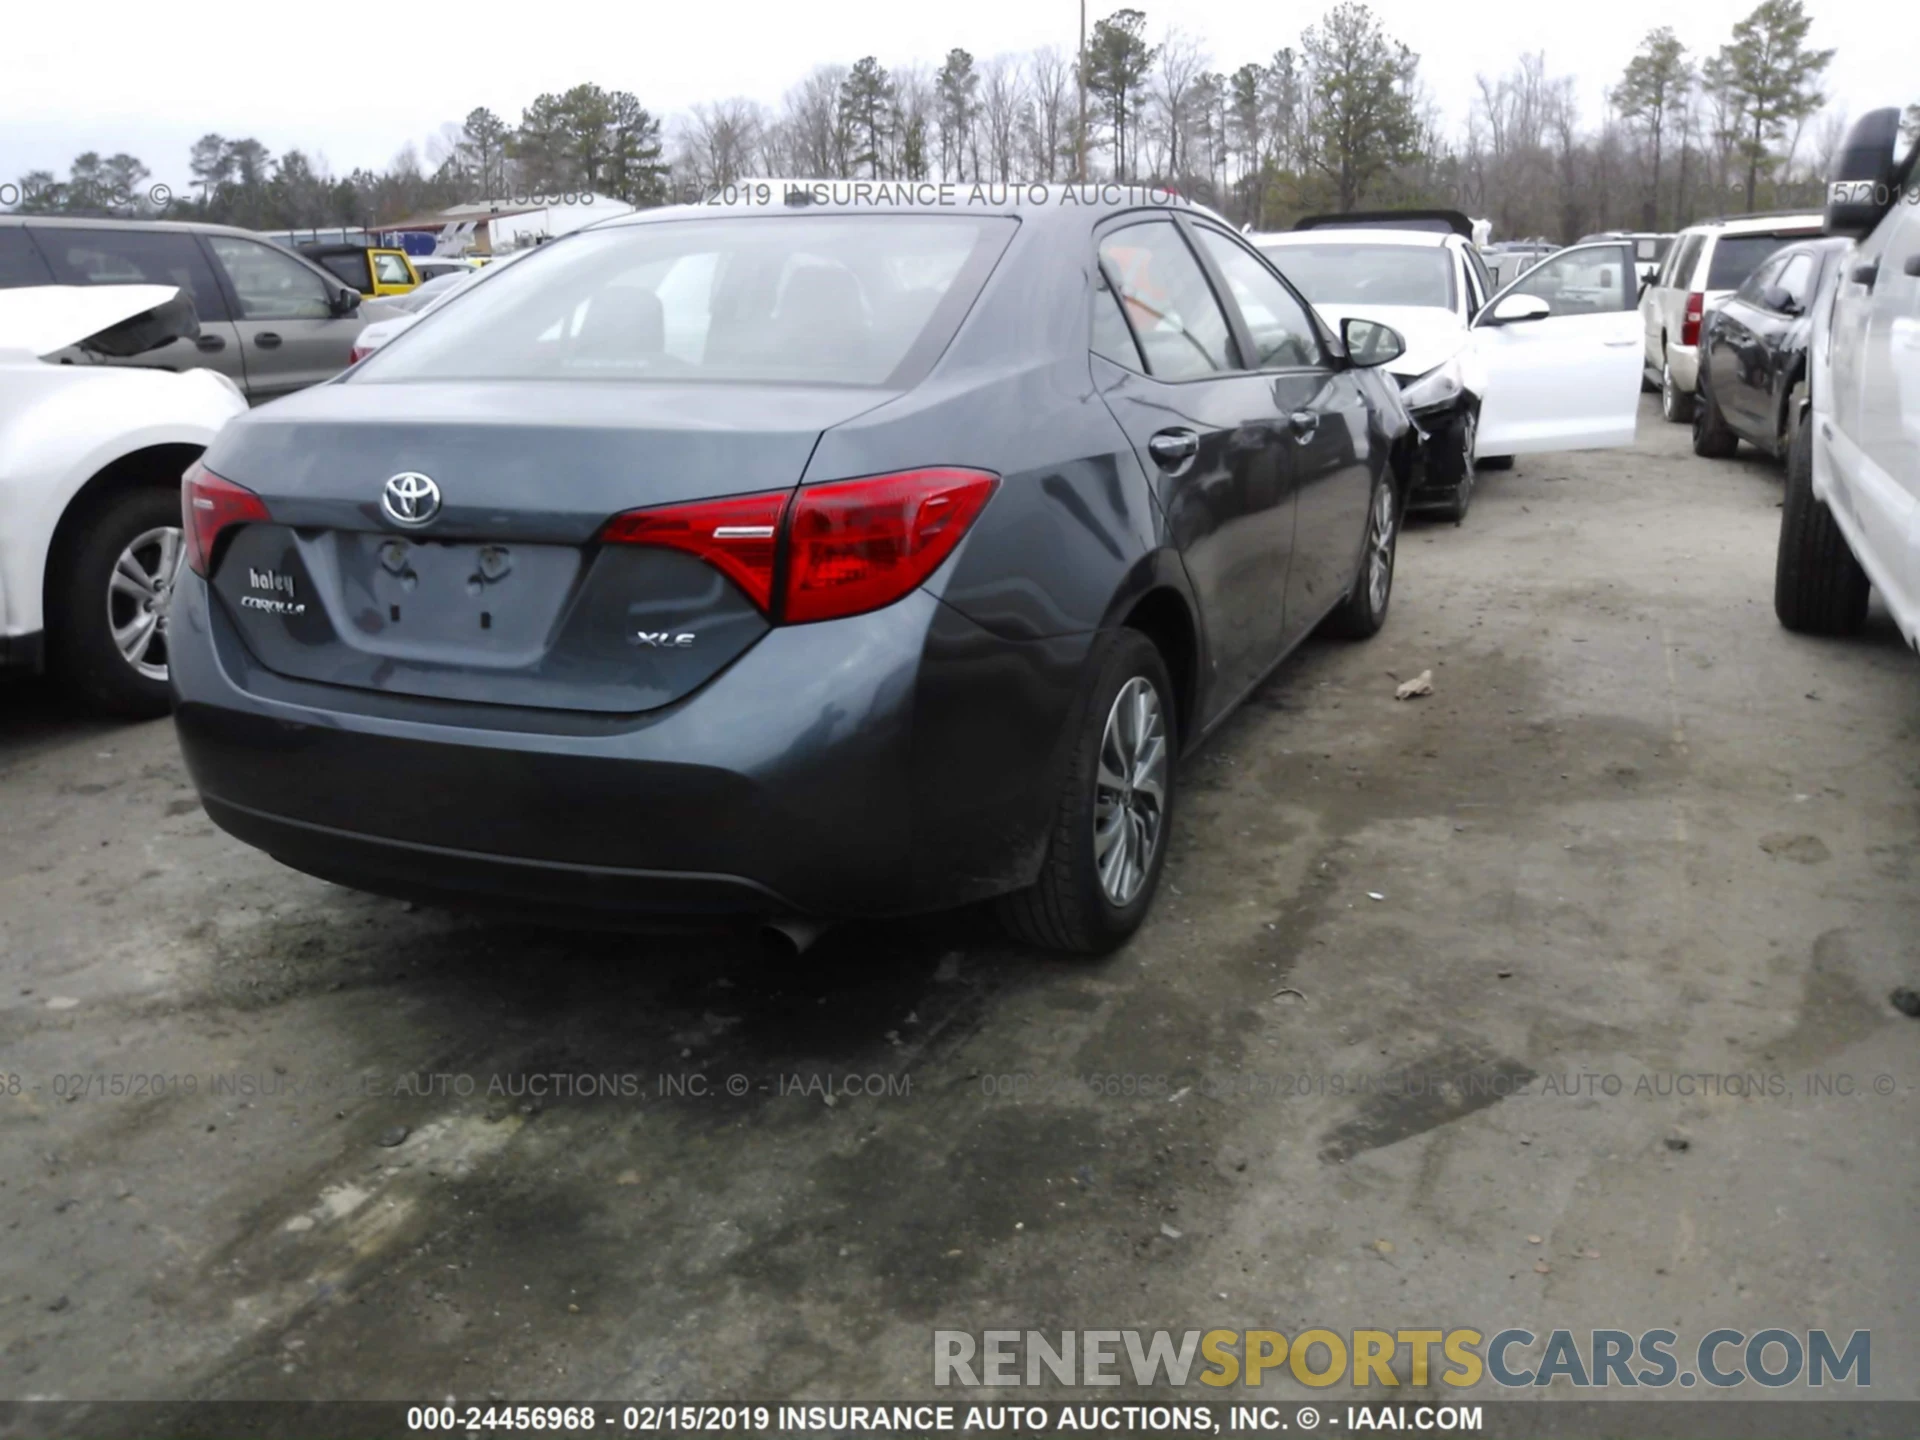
x=1129 y=810
x=1380 y=548
x=138 y=595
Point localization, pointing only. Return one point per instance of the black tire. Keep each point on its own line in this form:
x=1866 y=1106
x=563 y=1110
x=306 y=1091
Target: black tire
x=1364 y=611
x=1712 y=436
x=1068 y=907
x=1453 y=464
x=1676 y=404
x=1818 y=587
x=80 y=646
x=1493 y=462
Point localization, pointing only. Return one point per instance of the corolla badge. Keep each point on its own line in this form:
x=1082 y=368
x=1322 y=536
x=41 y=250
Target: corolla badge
x=410 y=498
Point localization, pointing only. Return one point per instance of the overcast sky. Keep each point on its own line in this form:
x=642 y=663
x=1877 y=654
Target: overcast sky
x=352 y=86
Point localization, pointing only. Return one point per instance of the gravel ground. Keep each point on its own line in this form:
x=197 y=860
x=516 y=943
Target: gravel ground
x=1637 y=831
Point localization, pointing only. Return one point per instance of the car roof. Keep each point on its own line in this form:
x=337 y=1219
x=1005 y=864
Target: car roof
x=1045 y=205
x=1358 y=235
x=79 y=222
x=1777 y=222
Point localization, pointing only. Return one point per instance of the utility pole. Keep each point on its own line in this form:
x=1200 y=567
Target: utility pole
x=1082 y=72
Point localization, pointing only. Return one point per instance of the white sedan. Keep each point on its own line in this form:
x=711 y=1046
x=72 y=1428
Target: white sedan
x=90 y=462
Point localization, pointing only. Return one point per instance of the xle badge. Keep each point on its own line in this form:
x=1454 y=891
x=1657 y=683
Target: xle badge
x=661 y=640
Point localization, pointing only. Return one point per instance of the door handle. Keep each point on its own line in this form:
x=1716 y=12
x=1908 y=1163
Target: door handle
x=1304 y=424
x=268 y=341
x=1173 y=448
x=1912 y=267
x=210 y=343
x=1866 y=274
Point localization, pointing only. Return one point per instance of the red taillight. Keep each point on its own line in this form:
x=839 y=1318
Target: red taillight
x=1690 y=321
x=359 y=353
x=209 y=505
x=848 y=547
x=857 y=545
x=739 y=536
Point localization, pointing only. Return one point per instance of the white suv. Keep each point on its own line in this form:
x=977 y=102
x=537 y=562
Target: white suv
x=1852 y=514
x=1705 y=264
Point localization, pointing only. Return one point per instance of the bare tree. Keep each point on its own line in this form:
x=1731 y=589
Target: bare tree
x=1002 y=94
x=1047 y=117
x=1179 y=64
x=719 y=143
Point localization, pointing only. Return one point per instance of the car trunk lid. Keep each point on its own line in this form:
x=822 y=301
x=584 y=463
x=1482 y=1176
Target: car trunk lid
x=504 y=594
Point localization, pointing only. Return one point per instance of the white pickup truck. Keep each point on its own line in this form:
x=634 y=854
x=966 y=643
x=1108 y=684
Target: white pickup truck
x=1852 y=513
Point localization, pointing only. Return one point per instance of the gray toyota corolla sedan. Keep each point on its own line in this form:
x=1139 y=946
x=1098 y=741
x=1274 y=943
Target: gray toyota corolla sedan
x=820 y=558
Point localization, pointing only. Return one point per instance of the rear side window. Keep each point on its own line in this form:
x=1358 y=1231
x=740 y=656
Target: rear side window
x=351 y=268
x=1687 y=263
x=20 y=263
x=1736 y=257
x=110 y=256
x=822 y=300
x=1182 y=331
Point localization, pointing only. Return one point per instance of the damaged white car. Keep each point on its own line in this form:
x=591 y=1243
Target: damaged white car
x=1546 y=363
x=90 y=462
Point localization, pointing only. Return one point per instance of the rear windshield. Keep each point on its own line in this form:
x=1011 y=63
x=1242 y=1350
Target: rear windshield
x=1735 y=257
x=1368 y=274
x=825 y=300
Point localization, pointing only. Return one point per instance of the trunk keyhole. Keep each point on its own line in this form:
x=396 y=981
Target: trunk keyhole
x=486 y=619
x=393 y=613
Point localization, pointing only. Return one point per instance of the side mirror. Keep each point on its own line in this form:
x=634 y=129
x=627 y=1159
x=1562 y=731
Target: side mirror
x=1774 y=297
x=1865 y=179
x=1515 y=308
x=1369 y=343
x=346 y=301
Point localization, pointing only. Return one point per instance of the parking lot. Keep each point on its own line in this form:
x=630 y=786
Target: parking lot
x=1643 y=863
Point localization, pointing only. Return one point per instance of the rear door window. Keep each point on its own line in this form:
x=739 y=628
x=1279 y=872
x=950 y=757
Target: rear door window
x=112 y=256
x=866 y=299
x=20 y=263
x=1736 y=257
x=1182 y=330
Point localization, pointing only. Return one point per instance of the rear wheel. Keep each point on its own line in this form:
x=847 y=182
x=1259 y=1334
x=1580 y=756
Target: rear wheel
x=1364 y=610
x=1818 y=587
x=107 y=603
x=1712 y=436
x=1676 y=404
x=1114 y=812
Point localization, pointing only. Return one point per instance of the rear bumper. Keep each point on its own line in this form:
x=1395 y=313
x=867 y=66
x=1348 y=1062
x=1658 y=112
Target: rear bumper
x=1684 y=362
x=894 y=762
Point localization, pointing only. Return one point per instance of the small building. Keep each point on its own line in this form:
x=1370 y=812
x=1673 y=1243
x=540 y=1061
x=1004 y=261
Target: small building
x=489 y=227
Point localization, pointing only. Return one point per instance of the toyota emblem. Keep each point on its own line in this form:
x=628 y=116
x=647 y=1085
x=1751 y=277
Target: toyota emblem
x=410 y=499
